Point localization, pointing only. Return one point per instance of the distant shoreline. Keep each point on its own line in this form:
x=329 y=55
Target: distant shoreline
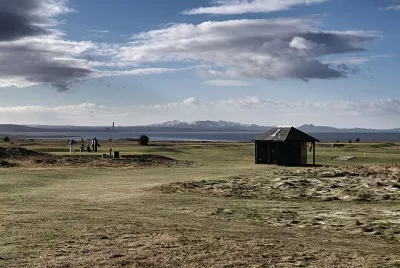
x=222 y=136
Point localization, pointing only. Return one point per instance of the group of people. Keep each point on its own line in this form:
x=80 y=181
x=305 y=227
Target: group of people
x=91 y=146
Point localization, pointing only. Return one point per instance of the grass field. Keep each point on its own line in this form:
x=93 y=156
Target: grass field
x=222 y=211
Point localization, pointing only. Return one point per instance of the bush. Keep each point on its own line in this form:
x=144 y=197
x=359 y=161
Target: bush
x=143 y=140
x=6 y=139
x=358 y=140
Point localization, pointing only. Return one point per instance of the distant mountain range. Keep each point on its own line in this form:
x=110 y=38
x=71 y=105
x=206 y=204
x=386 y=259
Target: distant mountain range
x=185 y=126
x=324 y=129
x=204 y=125
x=208 y=125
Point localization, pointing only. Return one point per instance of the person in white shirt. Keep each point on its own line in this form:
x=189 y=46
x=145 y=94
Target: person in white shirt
x=71 y=146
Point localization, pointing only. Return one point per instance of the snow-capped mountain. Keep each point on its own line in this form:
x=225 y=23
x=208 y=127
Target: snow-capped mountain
x=325 y=129
x=207 y=125
x=226 y=125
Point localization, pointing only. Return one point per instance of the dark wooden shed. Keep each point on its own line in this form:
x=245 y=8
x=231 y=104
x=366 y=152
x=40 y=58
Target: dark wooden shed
x=286 y=146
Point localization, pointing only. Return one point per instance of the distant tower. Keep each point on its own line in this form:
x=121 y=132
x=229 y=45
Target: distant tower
x=113 y=126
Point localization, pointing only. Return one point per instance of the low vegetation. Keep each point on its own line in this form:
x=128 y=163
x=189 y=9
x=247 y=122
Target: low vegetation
x=144 y=140
x=213 y=207
x=28 y=158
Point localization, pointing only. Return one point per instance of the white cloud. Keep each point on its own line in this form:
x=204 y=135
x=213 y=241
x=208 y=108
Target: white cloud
x=393 y=7
x=98 y=31
x=247 y=102
x=68 y=109
x=190 y=101
x=350 y=60
x=227 y=83
x=227 y=7
x=356 y=60
x=186 y=103
x=35 y=52
x=134 y=72
x=242 y=49
x=226 y=53
x=32 y=50
x=38 y=9
x=301 y=44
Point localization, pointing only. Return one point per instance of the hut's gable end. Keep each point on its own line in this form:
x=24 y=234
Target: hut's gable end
x=297 y=135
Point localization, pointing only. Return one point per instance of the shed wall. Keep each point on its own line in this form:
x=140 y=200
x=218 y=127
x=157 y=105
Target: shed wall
x=282 y=153
x=304 y=153
x=289 y=153
x=262 y=153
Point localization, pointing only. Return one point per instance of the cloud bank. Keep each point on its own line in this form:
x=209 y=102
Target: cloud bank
x=227 y=53
x=27 y=30
x=242 y=49
x=367 y=113
x=395 y=5
x=227 y=83
x=33 y=51
x=230 y=7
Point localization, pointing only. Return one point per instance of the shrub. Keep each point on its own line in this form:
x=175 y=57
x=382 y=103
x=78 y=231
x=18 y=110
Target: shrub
x=358 y=140
x=6 y=139
x=143 y=140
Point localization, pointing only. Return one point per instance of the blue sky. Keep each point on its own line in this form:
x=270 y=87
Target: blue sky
x=268 y=62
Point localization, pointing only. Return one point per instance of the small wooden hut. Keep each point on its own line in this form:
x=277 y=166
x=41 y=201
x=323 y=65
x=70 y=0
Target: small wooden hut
x=286 y=146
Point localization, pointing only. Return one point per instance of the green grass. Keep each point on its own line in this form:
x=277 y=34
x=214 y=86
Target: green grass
x=385 y=145
x=91 y=217
x=223 y=153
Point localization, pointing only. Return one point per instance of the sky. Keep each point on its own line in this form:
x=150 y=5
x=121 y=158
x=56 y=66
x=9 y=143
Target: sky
x=138 y=62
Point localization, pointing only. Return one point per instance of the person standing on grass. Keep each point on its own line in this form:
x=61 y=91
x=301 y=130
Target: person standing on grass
x=93 y=144
x=88 y=148
x=96 y=144
x=71 y=146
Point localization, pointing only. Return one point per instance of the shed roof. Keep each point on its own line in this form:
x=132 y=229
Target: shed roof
x=282 y=134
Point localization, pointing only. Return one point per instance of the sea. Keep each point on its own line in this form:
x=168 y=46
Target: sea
x=197 y=136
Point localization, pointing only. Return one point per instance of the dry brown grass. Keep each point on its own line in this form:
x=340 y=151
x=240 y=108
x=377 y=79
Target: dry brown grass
x=368 y=183
x=17 y=156
x=222 y=212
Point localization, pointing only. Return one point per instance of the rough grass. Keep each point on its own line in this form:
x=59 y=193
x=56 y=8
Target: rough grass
x=118 y=217
x=384 y=145
x=29 y=158
x=322 y=184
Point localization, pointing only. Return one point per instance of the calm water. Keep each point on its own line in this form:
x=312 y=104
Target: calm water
x=198 y=136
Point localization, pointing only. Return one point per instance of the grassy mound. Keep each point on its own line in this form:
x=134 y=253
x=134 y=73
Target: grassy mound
x=29 y=158
x=373 y=183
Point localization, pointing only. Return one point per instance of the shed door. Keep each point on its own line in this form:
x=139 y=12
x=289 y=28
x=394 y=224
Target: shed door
x=273 y=152
x=262 y=153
